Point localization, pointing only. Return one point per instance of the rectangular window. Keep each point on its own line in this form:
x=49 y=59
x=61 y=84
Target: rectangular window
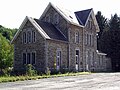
x=33 y=36
x=87 y=60
x=24 y=37
x=87 y=39
x=28 y=36
x=77 y=59
x=89 y=24
x=77 y=56
x=92 y=40
x=24 y=58
x=28 y=58
x=33 y=58
x=77 y=37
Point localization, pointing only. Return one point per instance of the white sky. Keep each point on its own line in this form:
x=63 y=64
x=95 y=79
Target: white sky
x=13 y=12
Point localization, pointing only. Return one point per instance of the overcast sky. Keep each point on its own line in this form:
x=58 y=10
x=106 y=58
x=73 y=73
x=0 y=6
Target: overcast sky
x=13 y=12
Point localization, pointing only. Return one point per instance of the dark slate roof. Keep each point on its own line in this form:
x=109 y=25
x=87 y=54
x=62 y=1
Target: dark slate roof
x=82 y=16
x=51 y=30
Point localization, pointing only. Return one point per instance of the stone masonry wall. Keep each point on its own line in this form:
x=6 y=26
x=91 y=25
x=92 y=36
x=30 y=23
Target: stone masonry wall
x=38 y=47
x=52 y=47
x=62 y=24
x=73 y=46
x=88 y=47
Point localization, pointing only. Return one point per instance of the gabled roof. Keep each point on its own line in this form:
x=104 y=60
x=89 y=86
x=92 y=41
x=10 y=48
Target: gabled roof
x=51 y=30
x=82 y=16
x=47 y=30
x=33 y=22
x=66 y=14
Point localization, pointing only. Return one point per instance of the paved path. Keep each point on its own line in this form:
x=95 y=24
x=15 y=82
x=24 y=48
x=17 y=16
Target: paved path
x=97 y=81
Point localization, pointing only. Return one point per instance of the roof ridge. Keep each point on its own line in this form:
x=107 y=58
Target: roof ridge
x=84 y=10
x=83 y=15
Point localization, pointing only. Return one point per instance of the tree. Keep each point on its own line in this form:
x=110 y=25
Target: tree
x=7 y=33
x=102 y=22
x=114 y=22
x=110 y=42
x=6 y=53
x=103 y=26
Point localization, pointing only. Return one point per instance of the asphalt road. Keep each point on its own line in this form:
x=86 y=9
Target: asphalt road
x=97 y=81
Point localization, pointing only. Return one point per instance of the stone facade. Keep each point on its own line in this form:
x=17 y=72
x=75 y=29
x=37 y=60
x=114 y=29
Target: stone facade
x=20 y=47
x=76 y=53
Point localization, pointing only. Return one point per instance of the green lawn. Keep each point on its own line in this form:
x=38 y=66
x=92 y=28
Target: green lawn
x=22 y=78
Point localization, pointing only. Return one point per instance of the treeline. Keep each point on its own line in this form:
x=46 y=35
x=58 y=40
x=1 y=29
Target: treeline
x=109 y=38
x=6 y=49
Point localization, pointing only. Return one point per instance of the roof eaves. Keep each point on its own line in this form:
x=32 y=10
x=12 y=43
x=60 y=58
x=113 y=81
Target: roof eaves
x=20 y=28
x=58 y=40
x=79 y=19
x=88 y=17
x=41 y=31
x=59 y=11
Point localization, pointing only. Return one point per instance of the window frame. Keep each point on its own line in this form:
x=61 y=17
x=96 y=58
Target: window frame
x=77 y=38
x=29 y=36
x=24 y=37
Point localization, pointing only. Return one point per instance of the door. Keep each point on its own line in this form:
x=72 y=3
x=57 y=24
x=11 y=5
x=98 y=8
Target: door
x=58 y=61
x=77 y=60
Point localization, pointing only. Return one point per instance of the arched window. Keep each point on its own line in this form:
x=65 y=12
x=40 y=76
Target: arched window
x=56 y=18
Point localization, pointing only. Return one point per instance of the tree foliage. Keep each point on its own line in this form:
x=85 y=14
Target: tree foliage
x=109 y=42
x=6 y=49
x=102 y=22
x=7 y=33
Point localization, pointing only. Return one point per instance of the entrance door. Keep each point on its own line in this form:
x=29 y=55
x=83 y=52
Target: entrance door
x=58 y=62
x=77 y=60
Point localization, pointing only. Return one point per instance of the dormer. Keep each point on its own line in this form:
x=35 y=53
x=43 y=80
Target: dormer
x=87 y=19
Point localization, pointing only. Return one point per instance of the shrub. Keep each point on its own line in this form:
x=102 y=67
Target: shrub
x=48 y=72
x=30 y=70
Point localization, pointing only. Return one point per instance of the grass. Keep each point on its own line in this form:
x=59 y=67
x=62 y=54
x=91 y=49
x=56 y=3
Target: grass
x=22 y=78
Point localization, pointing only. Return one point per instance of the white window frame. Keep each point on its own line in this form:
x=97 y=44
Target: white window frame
x=77 y=59
x=77 y=40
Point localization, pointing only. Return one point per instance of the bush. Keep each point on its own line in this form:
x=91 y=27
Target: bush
x=30 y=70
x=48 y=72
x=7 y=71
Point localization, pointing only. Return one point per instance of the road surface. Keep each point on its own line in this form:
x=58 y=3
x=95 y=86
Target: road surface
x=95 y=81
